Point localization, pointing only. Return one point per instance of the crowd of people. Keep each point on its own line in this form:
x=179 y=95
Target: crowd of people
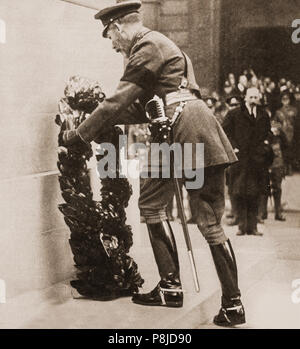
x=261 y=118
x=262 y=167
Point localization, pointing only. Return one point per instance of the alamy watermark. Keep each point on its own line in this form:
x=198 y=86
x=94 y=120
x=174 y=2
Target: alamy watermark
x=2 y=291
x=296 y=293
x=296 y=32
x=188 y=161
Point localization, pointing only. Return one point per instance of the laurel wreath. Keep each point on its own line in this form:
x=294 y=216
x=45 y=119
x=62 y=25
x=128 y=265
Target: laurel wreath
x=100 y=239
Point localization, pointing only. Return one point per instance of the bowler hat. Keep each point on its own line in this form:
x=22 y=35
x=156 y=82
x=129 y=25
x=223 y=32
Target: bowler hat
x=120 y=9
x=233 y=101
x=210 y=101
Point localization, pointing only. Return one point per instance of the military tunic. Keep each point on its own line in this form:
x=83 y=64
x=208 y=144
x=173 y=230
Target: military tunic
x=156 y=66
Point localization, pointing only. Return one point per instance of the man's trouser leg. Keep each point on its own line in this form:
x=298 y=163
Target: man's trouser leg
x=242 y=214
x=228 y=178
x=155 y=195
x=211 y=206
x=277 y=202
x=264 y=179
x=276 y=179
x=234 y=206
x=252 y=212
x=170 y=210
x=263 y=206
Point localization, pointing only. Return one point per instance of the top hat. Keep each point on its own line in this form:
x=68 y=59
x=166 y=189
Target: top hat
x=120 y=9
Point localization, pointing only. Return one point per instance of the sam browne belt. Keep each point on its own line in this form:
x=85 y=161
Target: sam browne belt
x=181 y=95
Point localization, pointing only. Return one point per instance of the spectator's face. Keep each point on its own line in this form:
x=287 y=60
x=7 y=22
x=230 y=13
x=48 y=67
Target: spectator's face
x=227 y=89
x=243 y=80
x=252 y=97
x=272 y=86
x=297 y=96
x=231 y=79
x=254 y=81
x=285 y=100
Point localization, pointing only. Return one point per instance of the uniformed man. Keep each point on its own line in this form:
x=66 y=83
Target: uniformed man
x=287 y=116
x=156 y=66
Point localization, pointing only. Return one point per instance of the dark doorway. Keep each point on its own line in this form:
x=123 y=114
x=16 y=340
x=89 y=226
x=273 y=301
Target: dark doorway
x=269 y=51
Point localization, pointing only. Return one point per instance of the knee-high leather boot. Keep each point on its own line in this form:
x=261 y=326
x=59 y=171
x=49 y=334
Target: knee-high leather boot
x=168 y=292
x=232 y=311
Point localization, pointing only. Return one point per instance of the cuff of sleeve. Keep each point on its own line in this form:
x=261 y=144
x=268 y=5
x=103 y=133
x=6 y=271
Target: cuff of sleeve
x=81 y=137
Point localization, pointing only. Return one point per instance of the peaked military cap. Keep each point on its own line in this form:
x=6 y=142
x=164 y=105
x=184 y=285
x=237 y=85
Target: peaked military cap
x=120 y=9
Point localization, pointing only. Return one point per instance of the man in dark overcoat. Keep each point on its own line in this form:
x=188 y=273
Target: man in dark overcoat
x=156 y=66
x=248 y=129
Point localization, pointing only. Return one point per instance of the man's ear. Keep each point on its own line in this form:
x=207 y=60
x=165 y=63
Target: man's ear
x=118 y=26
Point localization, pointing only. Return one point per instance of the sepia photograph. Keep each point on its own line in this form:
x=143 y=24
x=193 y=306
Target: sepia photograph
x=150 y=175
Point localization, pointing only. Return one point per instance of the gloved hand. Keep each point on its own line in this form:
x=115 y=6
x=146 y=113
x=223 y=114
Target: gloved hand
x=69 y=137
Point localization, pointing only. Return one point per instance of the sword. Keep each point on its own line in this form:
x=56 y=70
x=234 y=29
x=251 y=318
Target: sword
x=179 y=200
x=156 y=114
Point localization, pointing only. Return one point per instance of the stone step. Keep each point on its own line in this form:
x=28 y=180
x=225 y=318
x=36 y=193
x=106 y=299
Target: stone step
x=54 y=307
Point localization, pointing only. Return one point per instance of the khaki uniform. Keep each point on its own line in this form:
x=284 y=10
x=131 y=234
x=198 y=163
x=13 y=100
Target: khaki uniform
x=156 y=66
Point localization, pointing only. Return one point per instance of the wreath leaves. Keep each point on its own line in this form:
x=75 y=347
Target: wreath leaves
x=100 y=238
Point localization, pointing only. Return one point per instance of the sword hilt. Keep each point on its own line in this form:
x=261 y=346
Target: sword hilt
x=159 y=123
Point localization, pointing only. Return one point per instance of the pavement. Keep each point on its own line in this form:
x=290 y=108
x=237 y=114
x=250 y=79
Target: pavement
x=268 y=266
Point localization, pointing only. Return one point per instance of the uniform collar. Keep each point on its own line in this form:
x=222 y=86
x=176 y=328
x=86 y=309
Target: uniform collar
x=138 y=36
